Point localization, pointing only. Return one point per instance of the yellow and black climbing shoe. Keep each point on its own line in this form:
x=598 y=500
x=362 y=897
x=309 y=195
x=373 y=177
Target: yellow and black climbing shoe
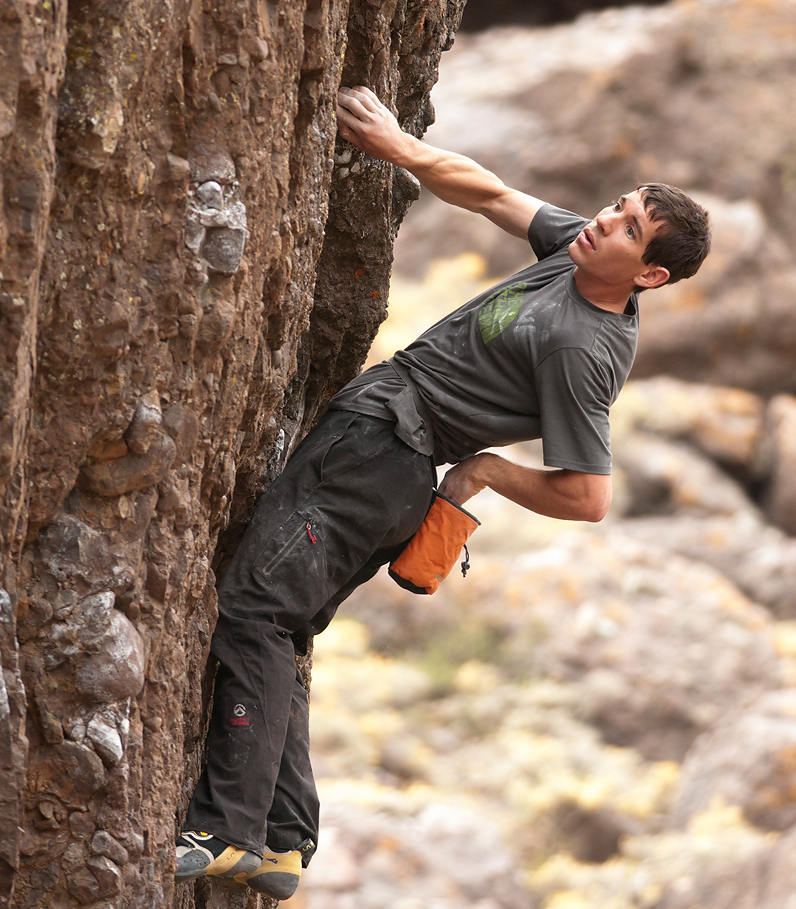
x=277 y=876
x=200 y=853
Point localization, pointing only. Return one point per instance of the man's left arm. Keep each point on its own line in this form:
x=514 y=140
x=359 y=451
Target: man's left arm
x=456 y=179
x=567 y=494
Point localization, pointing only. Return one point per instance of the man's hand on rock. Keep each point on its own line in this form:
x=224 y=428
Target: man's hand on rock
x=364 y=121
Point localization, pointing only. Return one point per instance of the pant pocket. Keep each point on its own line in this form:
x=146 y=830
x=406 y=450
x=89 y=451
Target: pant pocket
x=297 y=535
x=291 y=575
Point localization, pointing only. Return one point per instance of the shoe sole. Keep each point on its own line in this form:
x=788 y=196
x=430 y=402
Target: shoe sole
x=279 y=885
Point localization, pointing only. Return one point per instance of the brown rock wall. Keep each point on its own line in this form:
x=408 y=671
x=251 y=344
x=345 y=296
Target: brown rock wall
x=33 y=53
x=170 y=300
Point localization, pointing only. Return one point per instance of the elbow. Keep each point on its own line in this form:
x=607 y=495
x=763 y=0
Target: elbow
x=594 y=507
x=594 y=514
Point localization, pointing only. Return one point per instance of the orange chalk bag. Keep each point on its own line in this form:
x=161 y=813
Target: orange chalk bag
x=432 y=552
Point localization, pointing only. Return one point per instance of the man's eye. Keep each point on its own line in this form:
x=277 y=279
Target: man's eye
x=631 y=233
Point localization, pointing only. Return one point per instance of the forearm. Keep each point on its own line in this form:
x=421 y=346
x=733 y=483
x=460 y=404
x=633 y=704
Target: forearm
x=453 y=178
x=564 y=494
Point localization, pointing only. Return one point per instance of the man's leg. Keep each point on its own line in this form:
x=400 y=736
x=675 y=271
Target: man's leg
x=347 y=492
x=293 y=818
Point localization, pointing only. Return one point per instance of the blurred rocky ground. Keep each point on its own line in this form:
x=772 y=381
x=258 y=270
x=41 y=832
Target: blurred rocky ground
x=598 y=715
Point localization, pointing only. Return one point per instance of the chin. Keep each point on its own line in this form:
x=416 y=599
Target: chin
x=573 y=251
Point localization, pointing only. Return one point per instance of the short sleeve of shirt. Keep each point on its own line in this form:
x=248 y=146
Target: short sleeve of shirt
x=574 y=396
x=552 y=229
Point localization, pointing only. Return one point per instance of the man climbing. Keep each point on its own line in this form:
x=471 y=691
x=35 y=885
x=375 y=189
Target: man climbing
x=541 y=355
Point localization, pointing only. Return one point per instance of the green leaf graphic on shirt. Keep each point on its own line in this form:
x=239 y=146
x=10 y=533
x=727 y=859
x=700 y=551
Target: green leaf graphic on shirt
x=499 y=312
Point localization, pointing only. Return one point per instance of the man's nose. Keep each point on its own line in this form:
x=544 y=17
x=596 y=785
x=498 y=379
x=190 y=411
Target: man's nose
x=604 y=221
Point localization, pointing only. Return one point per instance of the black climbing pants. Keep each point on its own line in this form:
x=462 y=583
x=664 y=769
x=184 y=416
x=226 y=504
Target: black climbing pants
x=349 y=499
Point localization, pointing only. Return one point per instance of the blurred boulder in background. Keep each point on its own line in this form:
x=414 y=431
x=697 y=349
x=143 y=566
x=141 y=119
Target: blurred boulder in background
x=781 y=494
x=663 y=475
x=660 y=646
x=758 y=558
x=748 y=759
x=699 y=469
x=725 y=424
x=412 y=851
x=764 y=879
x=481 y=14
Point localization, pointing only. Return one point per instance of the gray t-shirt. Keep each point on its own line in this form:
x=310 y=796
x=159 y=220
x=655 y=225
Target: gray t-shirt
x=530 y=358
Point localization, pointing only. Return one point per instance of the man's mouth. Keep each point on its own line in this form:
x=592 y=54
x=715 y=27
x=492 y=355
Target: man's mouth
x=587 y=238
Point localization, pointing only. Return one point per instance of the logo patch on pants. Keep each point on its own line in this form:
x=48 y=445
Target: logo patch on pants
x=239 y=718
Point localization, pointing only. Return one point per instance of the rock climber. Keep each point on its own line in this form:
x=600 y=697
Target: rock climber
x=543 y=355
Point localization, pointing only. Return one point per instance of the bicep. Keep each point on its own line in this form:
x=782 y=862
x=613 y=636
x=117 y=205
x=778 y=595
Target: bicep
x=574 y=401
x=512 y=211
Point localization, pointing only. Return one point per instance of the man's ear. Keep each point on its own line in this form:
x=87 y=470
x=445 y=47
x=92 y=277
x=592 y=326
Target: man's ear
x=654 y=276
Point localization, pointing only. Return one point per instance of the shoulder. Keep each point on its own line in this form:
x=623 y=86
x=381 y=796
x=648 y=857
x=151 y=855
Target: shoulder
x=574 y=377
x=553 y=229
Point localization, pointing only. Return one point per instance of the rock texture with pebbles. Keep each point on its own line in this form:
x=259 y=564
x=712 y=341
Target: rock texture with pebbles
x=186 y=279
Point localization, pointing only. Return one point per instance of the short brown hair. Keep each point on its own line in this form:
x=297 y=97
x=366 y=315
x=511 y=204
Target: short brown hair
x=684 y=242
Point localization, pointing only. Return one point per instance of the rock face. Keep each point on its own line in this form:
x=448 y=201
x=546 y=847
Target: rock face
x=190 y=267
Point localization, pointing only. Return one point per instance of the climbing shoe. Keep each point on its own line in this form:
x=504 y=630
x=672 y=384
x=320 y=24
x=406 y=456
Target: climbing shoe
x=199 y=854
x=277 y=875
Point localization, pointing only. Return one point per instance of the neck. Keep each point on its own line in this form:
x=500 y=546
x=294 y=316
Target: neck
x=602 y=294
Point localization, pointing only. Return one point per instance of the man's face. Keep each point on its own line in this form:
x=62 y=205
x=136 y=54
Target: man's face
x=611 y=247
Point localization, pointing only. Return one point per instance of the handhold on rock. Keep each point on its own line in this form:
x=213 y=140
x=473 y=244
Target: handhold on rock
x=106 y=740
x=209 y=163
x=194 y=237
x=223 y=249
x=108 y=449
x=179 y=168
x=83 y=886
x=114 y=478
x=102 y=843
x=69 y=771
x=144 y=430
x=150 y=458
x=108 y=876
x=182 y=424
x=99 y=136
x=211 y=194
x=70 y=549
x=256 y=47
x=116 y=670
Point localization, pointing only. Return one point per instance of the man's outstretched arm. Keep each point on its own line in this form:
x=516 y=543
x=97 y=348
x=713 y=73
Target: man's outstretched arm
x=566 y=494
x=368 y=124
